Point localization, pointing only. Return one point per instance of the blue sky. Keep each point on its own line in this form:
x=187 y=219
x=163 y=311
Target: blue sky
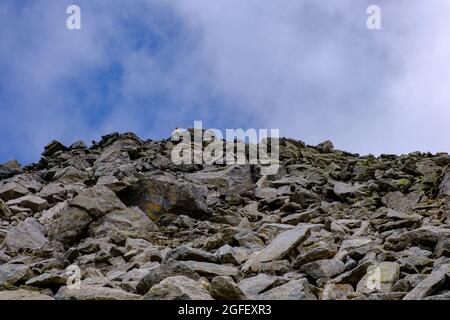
x=308 y=67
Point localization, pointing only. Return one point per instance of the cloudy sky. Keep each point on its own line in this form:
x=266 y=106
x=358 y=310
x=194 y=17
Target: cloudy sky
x=308 y=67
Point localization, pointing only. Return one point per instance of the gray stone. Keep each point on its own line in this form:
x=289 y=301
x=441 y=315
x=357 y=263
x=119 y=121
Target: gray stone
x=337 y=292
x=22 y=294
x=430 y=284
x=94 y=292
x=323 y=268
x=210 y=270
x=178 y=288
x=169 y=268
x=280 y=247
x=10 y=274
x=98 y=201
x=12 y=190
x=293 y=290
x=27 y=235
x=255 y=285
x=157 y=197
x=34 y=203
x=186 y=253
x=224 y=288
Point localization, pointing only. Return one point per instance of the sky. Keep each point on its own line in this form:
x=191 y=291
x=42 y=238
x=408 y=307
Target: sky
x=310 y=68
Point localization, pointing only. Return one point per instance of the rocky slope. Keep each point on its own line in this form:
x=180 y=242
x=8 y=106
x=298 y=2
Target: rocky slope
x=329 y=225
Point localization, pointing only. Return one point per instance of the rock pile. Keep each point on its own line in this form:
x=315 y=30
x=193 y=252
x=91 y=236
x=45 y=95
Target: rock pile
x=329 y=225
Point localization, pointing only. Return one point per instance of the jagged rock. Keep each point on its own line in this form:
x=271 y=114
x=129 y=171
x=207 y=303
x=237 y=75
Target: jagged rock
x=280 y=247
x=317 y=252
x=11 y=274
x=326 y=146
x=11 y=191
x=224 y=288
x=52 y=148
x=9 y=169
x=186 y=253
x=34 y=203
x=5 y=212
x=337 y=292
x=129 y=222
x=430 y=284
x=78 y=145
x=442 y=248
x=71 y=175
x=53 y=192
x=444 y=187
x=345 y=191
x=46 y=280
x=323 y=268
x=293 y=290
x=68 y=225
x=304 y=197
x=169 y=268
x=159 y=197
x=97 y=201
x=136 y=223
x=178 y=288
x=233 y=255
x=27 y=235
x=255 y=285
x=210 y=270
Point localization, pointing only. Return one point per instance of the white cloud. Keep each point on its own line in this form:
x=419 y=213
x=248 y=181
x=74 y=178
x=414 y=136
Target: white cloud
x=308 y=67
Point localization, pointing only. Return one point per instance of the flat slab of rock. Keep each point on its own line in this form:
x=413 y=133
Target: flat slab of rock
x=10 y=273
x=255 y=285
x=34 y=203
x=430 y=284
x=178 y=288
x=93 y=292
x=224 y=288
x=280 y=247
x=211 y=269
x=293 y=290
x=22 y=294
x=187 y=253
x=323 y=268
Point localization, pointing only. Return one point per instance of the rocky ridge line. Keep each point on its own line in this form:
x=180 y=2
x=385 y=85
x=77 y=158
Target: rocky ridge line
x=329 y=225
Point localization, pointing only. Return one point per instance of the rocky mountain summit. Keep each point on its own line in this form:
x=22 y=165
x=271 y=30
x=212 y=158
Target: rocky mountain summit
x=128 y=223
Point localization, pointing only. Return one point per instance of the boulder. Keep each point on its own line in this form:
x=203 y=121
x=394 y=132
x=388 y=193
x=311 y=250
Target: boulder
x=11 y=274
x=224 y=288
x=12 y=190
x=432 y=283
x=27 y=235
x=280 y=247
x=34 y=203
x=323 y=268
x=157 y=197
x=97 y=201
x=293 y=290
x=9 y=169
x=178 y=288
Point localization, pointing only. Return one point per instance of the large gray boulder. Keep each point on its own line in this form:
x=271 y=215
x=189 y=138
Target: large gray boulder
x=158 y=197
x=178 y=288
